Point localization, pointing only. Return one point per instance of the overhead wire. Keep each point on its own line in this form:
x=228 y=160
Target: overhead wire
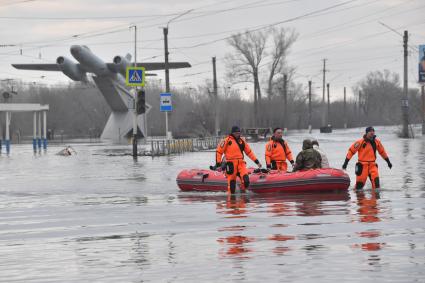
x=262 y=26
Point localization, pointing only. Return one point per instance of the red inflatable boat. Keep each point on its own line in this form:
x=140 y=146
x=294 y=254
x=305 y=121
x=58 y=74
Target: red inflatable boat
x=317 y=180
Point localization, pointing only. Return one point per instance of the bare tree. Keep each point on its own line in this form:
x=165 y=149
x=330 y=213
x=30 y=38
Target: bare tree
x=380 y=97
x=249 y=52
x=283 y=39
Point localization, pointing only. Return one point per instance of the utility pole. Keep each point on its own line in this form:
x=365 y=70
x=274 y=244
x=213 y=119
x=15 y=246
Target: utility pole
x=405 y=101
x=285 y=101
x=166 y=67
x=345 y=108
x=359 y=107
x=423 y=109
x=309 y=107
x=323 y=96
x=329 y=107
x=167 y=76
x=135 y=99
x=216 y=112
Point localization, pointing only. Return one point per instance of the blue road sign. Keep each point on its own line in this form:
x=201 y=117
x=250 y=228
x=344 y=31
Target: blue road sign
x=135 y=76
x=165 y=104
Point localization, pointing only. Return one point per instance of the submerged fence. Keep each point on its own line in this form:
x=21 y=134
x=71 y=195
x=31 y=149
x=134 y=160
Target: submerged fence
x=177 y=146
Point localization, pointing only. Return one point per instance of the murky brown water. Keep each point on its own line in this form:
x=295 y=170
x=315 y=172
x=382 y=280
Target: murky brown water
x=99 y=218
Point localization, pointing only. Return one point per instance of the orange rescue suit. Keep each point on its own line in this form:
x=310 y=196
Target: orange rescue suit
x=366 y=166
x=277 y=152
x=235 y=165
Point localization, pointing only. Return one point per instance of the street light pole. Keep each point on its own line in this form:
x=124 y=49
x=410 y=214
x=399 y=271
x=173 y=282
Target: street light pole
x=166 y=67
x=323 y=96
x=167 y=76
x=405 y=101
x=216 y=113
x=309 y=107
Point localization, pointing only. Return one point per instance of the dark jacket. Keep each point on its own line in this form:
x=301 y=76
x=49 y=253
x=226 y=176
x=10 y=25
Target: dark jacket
x=308 y=158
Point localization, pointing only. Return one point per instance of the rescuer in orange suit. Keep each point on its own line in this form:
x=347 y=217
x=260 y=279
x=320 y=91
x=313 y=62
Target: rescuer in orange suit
x=277 y=152
x=366 y=165
x=233 y=147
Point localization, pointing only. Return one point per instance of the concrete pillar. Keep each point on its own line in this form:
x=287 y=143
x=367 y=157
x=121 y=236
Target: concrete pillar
x=39 y=131
x=44 y=130
x=34 y=133
x=7 y=132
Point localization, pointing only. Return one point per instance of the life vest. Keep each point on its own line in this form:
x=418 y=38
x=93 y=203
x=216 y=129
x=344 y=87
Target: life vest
x=277 y=151
x=233 y=149
x=366 y=150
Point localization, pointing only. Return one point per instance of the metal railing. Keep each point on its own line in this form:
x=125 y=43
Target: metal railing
x=178 y=146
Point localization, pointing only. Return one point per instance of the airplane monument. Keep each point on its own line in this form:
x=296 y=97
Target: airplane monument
x=110 y=80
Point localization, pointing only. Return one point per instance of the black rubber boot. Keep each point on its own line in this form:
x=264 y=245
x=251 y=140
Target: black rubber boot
x=359 y=186
x=246 y=181
x=233 y=187
x=377 y=184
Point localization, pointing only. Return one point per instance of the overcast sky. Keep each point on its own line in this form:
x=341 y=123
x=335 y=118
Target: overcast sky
x=349 y=36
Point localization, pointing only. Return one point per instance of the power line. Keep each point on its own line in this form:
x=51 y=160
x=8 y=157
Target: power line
x=115 y=29
x=97 y=17
x=344 y=25
x=256 y=4
x=16 y=2
x=257 y=28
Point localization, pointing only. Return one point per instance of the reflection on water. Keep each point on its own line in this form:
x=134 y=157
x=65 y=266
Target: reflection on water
x=101 y=217
x=235 y=240
x=235 y=244
x=234 y=207
x=368 y=212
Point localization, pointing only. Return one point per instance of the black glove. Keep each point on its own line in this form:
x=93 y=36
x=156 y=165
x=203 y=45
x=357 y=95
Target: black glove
x=292 y=162
x=390 y=165
x=258 y=163
x=344 y=166
x=269 y=166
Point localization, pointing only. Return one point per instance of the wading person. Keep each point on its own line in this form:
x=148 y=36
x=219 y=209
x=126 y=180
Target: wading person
x=233 y=147
x=277 y=152
x=366 y=166
x=308 y=158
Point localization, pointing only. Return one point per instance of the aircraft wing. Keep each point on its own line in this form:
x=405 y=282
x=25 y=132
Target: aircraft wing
x=161 y=66
x=154 y=66
x=37 y=67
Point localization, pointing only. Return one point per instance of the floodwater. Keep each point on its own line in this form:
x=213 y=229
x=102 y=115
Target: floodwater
x=101 y=217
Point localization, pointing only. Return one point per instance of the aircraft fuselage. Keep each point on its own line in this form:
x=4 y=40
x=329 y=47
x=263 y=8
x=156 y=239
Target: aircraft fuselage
x=89 y=61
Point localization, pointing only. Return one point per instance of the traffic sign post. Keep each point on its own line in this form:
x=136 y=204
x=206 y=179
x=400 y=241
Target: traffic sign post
x=166 y=106
x=135 y=76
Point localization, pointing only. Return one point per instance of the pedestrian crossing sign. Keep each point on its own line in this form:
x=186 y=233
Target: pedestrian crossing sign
x=135 y=76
